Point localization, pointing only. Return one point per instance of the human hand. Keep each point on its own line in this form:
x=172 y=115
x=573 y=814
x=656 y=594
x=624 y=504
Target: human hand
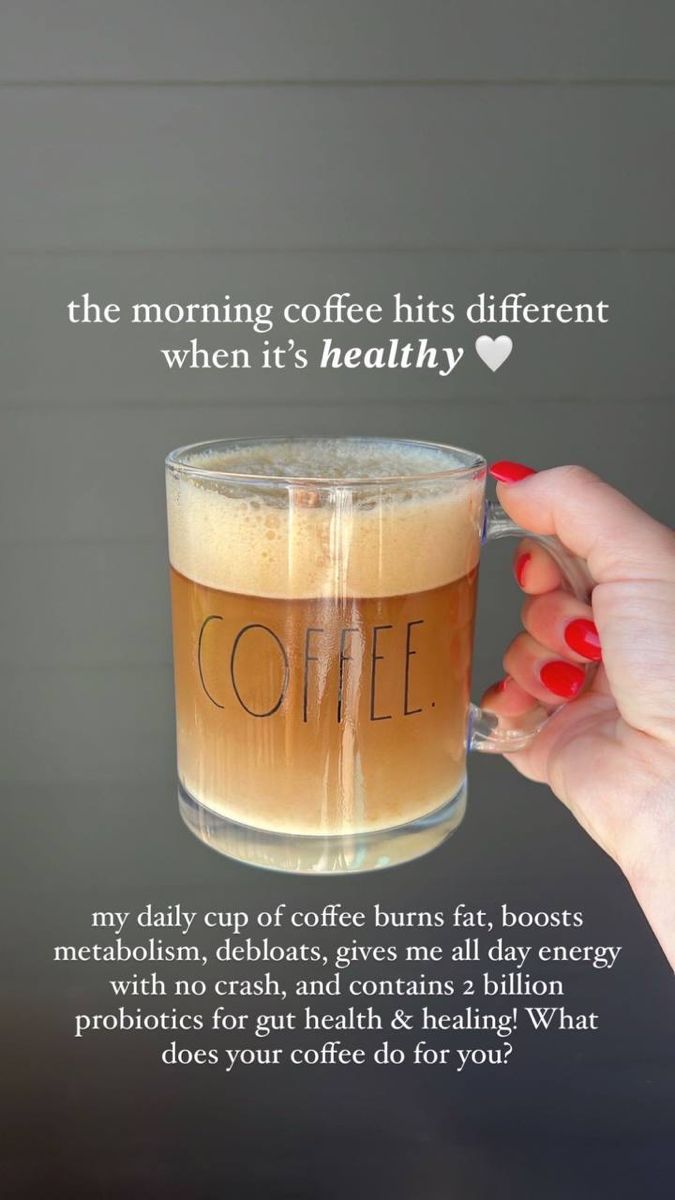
x=610 y=755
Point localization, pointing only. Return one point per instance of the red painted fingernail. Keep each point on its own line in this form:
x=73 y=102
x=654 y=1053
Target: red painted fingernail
x=581 y=635
x=520 y=567
x=499 y=686
x=510 y=472
x=562 y=678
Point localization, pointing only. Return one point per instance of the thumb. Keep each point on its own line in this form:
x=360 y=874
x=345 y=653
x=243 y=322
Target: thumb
x=595 y=522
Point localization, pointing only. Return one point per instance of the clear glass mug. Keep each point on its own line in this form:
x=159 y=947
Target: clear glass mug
x=323 y=596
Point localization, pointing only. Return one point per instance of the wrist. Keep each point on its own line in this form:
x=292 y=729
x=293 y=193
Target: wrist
x=648 y=861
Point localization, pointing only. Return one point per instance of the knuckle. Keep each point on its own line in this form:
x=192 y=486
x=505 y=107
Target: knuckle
x=528 y=607
x=507 y=658
x=573 y=475
x=516 y=646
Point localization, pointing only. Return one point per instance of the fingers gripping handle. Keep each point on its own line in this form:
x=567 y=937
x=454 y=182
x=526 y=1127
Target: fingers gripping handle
x=488 y=731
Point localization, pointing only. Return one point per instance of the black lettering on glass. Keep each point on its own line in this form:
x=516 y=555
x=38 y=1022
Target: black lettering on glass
x=284 y=685
x=308 y=659
x=341 y=670
x=374 y=659
x=408 y=712
x=202 y=631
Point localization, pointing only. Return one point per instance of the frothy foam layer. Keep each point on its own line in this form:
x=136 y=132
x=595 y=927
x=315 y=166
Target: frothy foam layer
x=295 y=540
x=328 y=458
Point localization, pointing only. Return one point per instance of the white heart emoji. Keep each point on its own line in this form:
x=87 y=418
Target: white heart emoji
x=494 y=351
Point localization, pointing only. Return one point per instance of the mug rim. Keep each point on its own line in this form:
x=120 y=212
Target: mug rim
x=178 y=460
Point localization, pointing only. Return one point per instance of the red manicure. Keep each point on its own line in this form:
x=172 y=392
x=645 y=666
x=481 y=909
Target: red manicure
x=581 y=635
x=499 y=686
x=510 y=472
x=562 y=678
x=520 y=566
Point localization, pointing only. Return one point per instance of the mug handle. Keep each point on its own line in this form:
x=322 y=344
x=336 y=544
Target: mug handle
x=489 y=732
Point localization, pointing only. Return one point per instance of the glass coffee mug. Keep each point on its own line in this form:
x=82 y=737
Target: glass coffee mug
x=324 y=595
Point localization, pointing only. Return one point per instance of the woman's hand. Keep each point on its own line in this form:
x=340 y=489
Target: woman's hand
x=610 y=755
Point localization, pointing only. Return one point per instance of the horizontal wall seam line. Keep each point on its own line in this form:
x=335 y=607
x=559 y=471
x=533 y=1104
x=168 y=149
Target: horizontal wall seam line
x=41 y=543
x=535 y=248
x=470 y=81
x=155 y=666
x=159 y=665
x=94 y=783
x=110 y=407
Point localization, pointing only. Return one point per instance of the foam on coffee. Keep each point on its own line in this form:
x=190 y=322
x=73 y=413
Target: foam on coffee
x=243 y=536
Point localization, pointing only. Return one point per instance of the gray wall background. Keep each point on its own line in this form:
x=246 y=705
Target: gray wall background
x=283 y=149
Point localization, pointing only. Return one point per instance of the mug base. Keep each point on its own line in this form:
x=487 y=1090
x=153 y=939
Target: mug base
x=330 y=854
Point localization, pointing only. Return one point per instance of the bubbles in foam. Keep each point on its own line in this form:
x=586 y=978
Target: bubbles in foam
x=328 y=458
x=285 y=540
